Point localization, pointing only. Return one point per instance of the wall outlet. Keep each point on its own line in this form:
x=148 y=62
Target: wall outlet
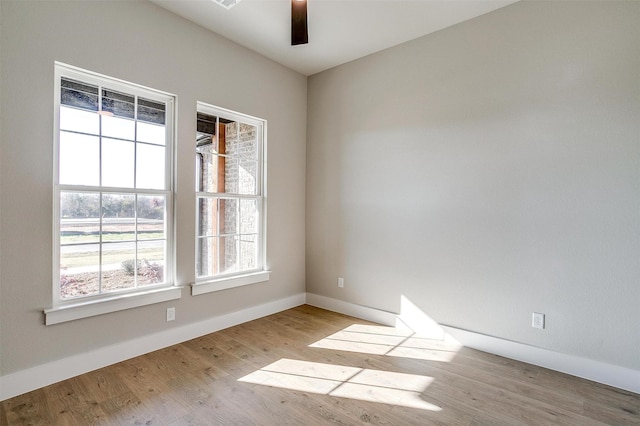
x=340 y=282
x=171 y=314
x=537 y=320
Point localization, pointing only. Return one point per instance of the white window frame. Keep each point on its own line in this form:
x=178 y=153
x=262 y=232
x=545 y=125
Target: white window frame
x=260 y=273
x=71 y=309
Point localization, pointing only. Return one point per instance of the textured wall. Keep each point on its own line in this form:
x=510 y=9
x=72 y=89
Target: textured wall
x=142 y=43
x=487 y=171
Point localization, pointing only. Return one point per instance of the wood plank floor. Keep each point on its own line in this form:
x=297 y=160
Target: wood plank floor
x=308 y=366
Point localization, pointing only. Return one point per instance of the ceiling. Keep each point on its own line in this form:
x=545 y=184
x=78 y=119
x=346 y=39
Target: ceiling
x=339 y=30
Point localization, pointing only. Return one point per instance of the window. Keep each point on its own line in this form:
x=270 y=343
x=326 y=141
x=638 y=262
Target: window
x=230 y=200
x=113 y=188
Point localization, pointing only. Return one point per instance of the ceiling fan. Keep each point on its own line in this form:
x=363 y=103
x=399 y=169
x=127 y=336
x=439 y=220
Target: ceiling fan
x=299 y=31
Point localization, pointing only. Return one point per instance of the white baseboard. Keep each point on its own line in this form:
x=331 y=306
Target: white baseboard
x=597 y=371
x=42 y=375
x=358 y=311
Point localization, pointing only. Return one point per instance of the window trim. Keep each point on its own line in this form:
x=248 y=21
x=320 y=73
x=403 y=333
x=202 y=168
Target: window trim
x=110 y=303
x=75 y=308
x=210 y=284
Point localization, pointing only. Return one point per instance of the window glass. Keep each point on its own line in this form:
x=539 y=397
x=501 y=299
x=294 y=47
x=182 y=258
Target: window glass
x=230 y=201
x=113 y=186
x=117 y=163
x=78 y=120
x=151 y=133
x=79 y=159
x=148 y=174
x=117 y=127
x=151 y=211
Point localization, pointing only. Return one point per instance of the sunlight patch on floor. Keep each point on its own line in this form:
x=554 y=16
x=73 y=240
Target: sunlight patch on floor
x=390 y=341
x=346 y=382
x=415 y=335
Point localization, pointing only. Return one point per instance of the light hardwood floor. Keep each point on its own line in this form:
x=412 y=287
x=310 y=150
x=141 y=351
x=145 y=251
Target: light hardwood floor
x=308 y=366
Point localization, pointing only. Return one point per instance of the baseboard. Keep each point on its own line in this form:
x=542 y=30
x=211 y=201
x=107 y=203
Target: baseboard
x=597 y=371
x=358 y=311
x=36 y=377
x=42 y=375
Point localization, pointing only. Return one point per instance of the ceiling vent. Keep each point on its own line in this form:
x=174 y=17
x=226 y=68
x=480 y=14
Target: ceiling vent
x=227 y=4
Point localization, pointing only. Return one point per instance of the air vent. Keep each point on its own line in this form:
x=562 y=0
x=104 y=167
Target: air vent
x=227 y=4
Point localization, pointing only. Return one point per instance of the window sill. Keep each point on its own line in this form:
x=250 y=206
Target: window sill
x=85 y=309
x=230 y=282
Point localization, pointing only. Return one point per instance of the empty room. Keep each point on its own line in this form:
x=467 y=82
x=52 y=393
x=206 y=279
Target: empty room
x=309 y=212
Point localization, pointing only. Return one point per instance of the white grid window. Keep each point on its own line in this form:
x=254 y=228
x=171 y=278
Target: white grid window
x=230 y=195
x=113 y=187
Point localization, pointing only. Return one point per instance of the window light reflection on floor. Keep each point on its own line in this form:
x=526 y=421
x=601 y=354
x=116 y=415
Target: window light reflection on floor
x=347 y=382
x=390 y=341
x=415 y=336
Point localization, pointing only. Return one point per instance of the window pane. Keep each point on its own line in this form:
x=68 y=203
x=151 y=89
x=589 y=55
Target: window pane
x=207 y=216
x=151 y=111
x=150 y=164
x=151 y=217
x=247 y=183
x=118 y=217
x=248 y=252
x=78 y=94
x=206 y=124
x=79 y=120
x=79 y=217
x=207 y=257
x=210 y=167
x=228 y=164
x=118 y=266
x=228 y=216
x=117 y=163
x=231 y=175
x=113 y=160
x=151 y=260
x=117 y=103
x=152 y=133
x=79 y=270
x=249 y=217
x=247 y=142
x=230 y=145
x=117 y=127
x=229 y=248
x=79 y=159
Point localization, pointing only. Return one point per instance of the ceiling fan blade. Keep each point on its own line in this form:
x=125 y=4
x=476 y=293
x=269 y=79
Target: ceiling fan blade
x=299 y=32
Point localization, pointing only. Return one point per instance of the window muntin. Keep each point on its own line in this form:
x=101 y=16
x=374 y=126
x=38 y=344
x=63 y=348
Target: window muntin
x=112 y=186
x=229 y=186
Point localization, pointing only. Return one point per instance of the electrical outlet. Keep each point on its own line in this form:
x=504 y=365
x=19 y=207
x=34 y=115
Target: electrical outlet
x=537 y=320
x=340 y=282
x=171 y=314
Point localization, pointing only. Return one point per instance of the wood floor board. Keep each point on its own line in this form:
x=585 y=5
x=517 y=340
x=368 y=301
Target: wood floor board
x=103 y=384
x=30 y=408
x=72 y=404
x=519 y=409
x=152 y=390
x=308 y=366
x=127 y=409
x=515 y=377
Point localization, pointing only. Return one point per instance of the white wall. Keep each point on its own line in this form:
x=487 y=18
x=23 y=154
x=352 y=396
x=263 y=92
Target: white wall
x=485 y=172
x=142 y=43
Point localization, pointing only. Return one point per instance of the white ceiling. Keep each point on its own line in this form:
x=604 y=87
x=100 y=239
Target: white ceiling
x=339 y=30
